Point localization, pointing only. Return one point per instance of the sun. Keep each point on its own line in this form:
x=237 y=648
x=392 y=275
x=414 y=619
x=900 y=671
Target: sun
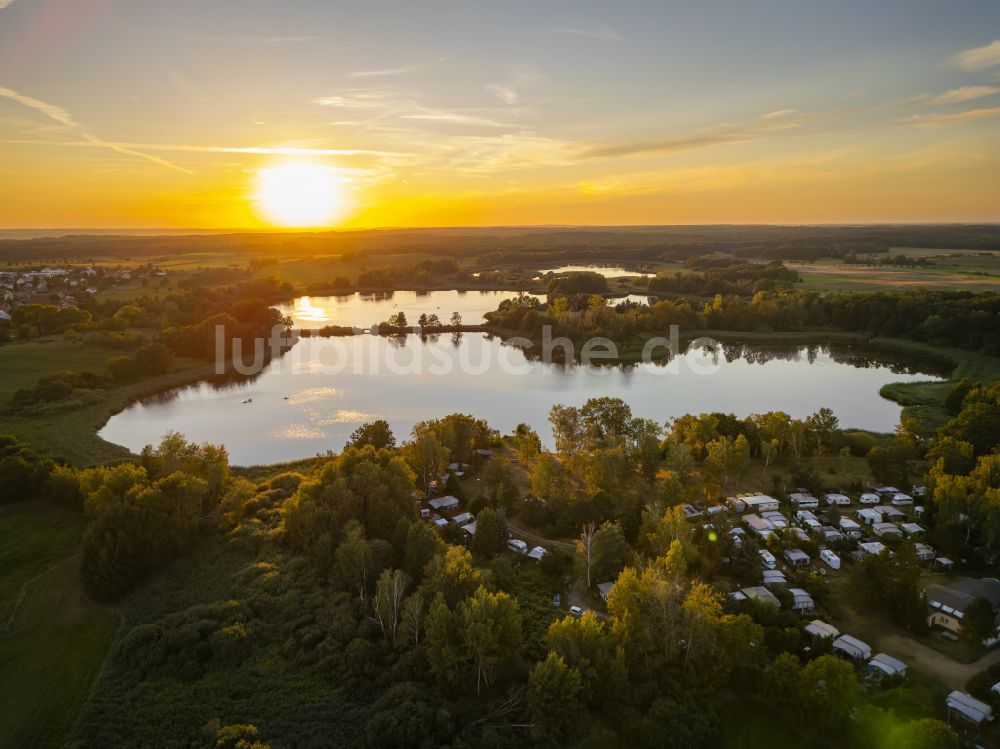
x=300 y=195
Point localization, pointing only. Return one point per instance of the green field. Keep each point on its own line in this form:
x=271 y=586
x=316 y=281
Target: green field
x=71 y=434
x=975 y=270
x=53 y=641
x=21 y=364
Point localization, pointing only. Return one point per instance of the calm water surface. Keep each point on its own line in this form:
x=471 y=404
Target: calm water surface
x=365 y=310
x=312 y=398
x=608 y=271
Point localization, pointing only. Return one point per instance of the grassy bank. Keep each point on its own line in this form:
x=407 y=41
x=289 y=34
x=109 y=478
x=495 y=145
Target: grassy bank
x=53 y=641
x=72 y=434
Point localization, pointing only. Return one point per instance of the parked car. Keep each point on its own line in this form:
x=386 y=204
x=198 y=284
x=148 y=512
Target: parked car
x=556 y=600
x=576 y=611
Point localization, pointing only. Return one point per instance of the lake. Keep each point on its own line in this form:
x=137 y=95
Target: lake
x=365 y=310
x=310 y=400
x=608 y=271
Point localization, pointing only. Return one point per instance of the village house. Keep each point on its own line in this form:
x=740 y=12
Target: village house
x=946 y=604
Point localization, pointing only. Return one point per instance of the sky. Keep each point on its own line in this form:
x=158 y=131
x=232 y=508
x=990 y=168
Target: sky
x=143 y=113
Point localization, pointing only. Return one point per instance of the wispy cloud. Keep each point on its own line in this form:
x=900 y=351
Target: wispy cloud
x=506 y=94
x=261 y=39
x=361 y=100
x=601 y=31
x=980 y=57
x=60 y=115
x=456 y=118
x=384 y=72
x=965 y=93
x=51 y=111
x=5 y=3
x=665 y=146
x=517 y=78
x=953 y=118
x=778 y=114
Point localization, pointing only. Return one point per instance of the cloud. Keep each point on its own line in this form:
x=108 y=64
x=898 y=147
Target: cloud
x=955 y=118
x=778 y=114
x=665 y=146
x=456 y=118
x=5 y=3
x=51 y=111
x=506 y=94
x=361 y=101
x=63 y=117
x=250 y=38
x=602 y=31
x=384 y=73
x=980 y=57
x=965 y=93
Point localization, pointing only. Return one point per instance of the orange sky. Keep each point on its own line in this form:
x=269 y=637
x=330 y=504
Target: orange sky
x=117 y=114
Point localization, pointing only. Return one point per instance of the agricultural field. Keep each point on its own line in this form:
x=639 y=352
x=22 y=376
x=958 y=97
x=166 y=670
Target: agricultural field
x=976 y=270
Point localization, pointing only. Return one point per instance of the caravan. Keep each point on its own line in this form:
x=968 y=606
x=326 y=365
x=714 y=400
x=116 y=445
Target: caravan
x=831 y=559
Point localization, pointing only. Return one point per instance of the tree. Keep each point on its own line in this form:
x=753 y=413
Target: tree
x=375 y=433
x=455 y=319
x=422 y=543
x=355 y=561
x=413 y=616
x=440 y=641
x=397 y=320
x=550 y=480
x=647 y=438
x=828 y=692
x=739 y=459
x=585 y=548
x=388 y=601
x=979 y=621
x=567 y=430
x=425 y=454
x=769 y=451
x=526 y=442
x=486 y=542
x=925 y=733
x=609 y=551
x=453 y=575
x=782 y=679
x=553 y=698
x=490 y=632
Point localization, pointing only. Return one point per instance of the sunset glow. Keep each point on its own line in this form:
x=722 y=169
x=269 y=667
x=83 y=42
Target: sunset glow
x=571 y=113
x=300 y=195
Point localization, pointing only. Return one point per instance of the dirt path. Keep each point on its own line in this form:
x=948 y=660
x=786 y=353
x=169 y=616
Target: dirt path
x=517 y=530
x=947 y=670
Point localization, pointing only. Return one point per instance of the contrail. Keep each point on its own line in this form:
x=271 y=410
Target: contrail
x=63 y=117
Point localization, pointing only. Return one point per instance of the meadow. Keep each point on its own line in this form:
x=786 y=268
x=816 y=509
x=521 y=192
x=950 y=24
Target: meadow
x=53 y=640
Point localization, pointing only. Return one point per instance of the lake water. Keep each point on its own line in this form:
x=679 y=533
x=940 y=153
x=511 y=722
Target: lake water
x=365 y=310
x=608 y=271
x=313 y=397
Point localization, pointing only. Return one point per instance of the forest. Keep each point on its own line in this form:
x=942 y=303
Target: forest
x=309 y=606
